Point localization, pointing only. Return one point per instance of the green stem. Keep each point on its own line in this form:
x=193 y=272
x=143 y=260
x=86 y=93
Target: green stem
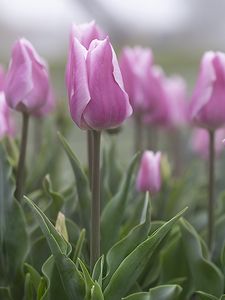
x=21 y=164
x=89 y=154
x=138 y=133
x=211 y=189
x=95 y=205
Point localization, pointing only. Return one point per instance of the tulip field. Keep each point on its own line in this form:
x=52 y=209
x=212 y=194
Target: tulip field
x=102 y=227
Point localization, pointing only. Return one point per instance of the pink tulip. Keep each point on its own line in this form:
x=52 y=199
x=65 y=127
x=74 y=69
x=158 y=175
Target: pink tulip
x=85 y=33
x=7 y=126
x=200 y=142
x=176 y=101
x=208 y=103
x=158 y=110
x=2 y=77
x=135 y=64
x=26 y=83
x=97 y=98
x=149 y=174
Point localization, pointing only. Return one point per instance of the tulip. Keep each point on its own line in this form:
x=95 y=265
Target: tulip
x=85 y=33
x=200 y=142
x=207 y=110
x=7 y=126
x=97 y=98
x=97 y=101
x=26 y=83
x=135 y=64
x=2 y=78
x=208 y=102
x=149 y=174
x=26 y=89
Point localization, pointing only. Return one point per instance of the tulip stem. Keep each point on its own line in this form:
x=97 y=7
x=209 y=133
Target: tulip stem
x=95 y=205
x=211 y=189
x=89 y=154
x=21 y=164
x=138 y=133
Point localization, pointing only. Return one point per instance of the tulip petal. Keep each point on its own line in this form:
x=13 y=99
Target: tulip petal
x=18 y=80
x=203 y=88
x=109 y=104
x=26 y=84
x=79 y=92
x=208 y=104
x=135 y=64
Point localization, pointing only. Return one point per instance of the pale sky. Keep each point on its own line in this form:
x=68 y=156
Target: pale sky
x=47 y=22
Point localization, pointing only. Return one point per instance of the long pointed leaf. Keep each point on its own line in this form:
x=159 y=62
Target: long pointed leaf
x=134 y=263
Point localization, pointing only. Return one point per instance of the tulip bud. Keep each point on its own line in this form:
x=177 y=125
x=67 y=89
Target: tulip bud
x=26 y=84
x=149 y=174
x=135 y=64
x=208 y=103
x=200 y=142
x=96 y=94
x=7 y=126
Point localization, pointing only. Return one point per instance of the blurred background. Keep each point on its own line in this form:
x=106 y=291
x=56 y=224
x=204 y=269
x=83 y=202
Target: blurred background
x=178 y=31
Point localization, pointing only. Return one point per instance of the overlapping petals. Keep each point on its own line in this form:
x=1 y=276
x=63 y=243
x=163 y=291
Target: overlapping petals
x=96 y=94
x=208 y=103
x=26 y=84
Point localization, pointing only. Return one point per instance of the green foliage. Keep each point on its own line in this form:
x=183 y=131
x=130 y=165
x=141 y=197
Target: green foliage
x=144 y=257
x=112 y=214
x=13 y=233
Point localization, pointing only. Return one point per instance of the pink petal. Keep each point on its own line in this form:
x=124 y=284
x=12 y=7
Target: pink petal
x=109 y=105
x=79 y=95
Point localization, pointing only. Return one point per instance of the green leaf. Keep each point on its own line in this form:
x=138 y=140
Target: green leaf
x=163 y=292
x=39 y=253
x=89 y=283
x=96 y=292
x=28 y=289
x=219 y=238
x=111 y=168
x=113 y=212
x=205 y=275
x=70 y=276
x=125 y=246
x=97 y=273
x=204 y=296
x=82 y=184
x=56 y=199
x=35 y=277
x=5 y=293
x=41 y=289
x=13 y=234
x=51 y=288
x=134 y=263
x=79 y=245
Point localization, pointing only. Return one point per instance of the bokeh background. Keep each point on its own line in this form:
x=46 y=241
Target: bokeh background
x=178 y=31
